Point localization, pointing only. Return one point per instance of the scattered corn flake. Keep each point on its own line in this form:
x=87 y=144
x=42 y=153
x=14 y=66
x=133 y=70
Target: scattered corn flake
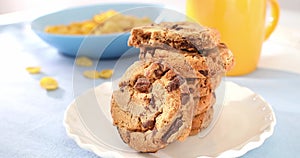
x=83 y=61
x=105 y=73
x=48 y=83
x=93 y=74
x=34 y=69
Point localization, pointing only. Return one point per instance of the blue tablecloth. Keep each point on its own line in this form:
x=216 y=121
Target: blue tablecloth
x=31 y=118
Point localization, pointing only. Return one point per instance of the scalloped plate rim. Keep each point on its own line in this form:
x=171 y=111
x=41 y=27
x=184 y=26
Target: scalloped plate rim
x=229 y=153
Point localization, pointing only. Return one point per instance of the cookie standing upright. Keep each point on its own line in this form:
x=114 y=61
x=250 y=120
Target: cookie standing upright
x=152 y=107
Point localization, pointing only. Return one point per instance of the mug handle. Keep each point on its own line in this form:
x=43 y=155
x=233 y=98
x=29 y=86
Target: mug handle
x=275 y=10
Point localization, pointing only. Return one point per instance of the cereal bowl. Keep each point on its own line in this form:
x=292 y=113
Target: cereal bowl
x=103 y=46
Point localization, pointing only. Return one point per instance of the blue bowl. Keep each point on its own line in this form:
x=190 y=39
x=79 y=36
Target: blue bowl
x=94 y=46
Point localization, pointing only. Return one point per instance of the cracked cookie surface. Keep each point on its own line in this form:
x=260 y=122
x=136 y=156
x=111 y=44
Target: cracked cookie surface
x=210 y=63
x=187 y=36
x=152 y=107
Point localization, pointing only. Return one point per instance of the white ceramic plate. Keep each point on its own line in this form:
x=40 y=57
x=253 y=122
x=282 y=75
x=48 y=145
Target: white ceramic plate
x=245 y=122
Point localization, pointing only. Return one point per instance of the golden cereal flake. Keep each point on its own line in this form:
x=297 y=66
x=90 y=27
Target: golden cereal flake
x=34 y=69
x=106 y=73
x=93 y=74
x=83 y=61
x=48 y=83
x=100 y=18
x=106 y=22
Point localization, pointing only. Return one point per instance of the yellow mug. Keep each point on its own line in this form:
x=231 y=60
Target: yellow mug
x=242 y=24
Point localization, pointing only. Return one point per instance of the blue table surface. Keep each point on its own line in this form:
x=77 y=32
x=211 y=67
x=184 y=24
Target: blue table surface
x=31 y=118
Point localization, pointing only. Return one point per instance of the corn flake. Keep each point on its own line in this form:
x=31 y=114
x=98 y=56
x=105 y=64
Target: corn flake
x=92 y=74
x=106 y=73
x=48 y=83
x=83 y=61
x=100 y=18
x=106 y=22
x=34 y=69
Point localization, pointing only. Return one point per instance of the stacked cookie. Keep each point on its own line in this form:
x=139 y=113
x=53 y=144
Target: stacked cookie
x=169 y=94
x=153 y=106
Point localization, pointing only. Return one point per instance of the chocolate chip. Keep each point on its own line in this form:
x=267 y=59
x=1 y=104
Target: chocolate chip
x=200 y=51
x=160 y=71
x=142 y=85
x=178 y=28
x=173 y=129
x=174 y=26
x=146 y=36
x=175 y=82
x=190 y=80
x=191 y=90
x=185 y=97
x=203 y=72
x=173 y=85
x=187 y=46
x=149 y=124
x=152 y=102
x=205 y=82
x=180 y=79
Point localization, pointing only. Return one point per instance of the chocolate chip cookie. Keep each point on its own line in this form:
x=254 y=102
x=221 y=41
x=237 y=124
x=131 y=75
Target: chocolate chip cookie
x=202 y=121
x=186 y=36
x=210 y=63
x=152 y=107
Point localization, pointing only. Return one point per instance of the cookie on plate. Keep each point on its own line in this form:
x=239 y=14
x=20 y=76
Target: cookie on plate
x=209 y=63
x=152 y=107
x=186 y=36
x=202 y=121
